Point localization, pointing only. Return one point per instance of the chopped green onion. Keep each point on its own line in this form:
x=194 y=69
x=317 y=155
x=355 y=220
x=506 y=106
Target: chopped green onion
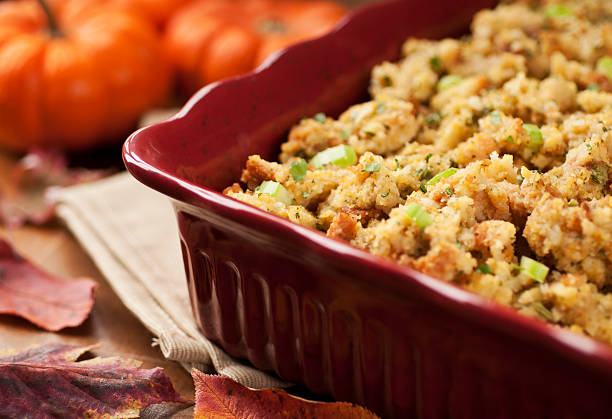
x=437 y=178
x=536 y=136
x=484 y=269
x=533 y=269
x=298 y=169
x=423 y=188
x=386 y=81
x=427 y=157
x=593 y=86
x=589 y=147
x=515 y=267
x=543 y=311
x=276 y=190
x=320 y=117
x=369 y=133
x=435 y=63
x=380 y=107
x=345 y=134
x=341 y=155
x=555 y=10
x=520 y=178
x=495 y=117
x=449 y=191
x=510 y=139
x=604 y=65
x=433 y=119
x=418 y=214
x=448 y=81
x=384 y=195
x=371 y=167
x=397 y=162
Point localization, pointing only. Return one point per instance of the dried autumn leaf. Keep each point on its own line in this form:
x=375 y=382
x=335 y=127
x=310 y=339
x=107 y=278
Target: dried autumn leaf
x=29 y=195
x=219 y=397
x=47 y=301
x=47 y=381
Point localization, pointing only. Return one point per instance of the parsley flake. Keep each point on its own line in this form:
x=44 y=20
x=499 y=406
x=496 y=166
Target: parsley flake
x=380 y=107
x=435 y=63
x=495 y=117
x=298 y=169
x=484 y=269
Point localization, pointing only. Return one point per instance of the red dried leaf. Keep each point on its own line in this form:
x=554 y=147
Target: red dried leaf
x=223 y=398
x=48 y=302
x=30 y=195
x=47 y=380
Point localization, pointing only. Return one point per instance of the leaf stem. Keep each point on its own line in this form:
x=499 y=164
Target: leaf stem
x=54 y=29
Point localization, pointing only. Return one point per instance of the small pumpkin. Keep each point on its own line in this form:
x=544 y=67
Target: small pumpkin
x=209 y=40
x=73 y=80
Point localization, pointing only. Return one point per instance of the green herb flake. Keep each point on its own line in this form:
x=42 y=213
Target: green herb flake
x=484 y=269
x=510 y=139
x=543 y=311
x=423 y=188
x=448 y=81
x=437 y=178
x=534 y=269
x=397 y=162
x=380 y=107
x=435 y=63
x=419 y=215
x=384 y=195
x=386 y=81
x=557 y=10
x=515 y=267
x=536 y=136
x=449 y=191
x=371 y=167
x=598 y=175
x=433 y=119
x=520 y=178
x=369 y=133
x=298 y=169
x=345 y=134
x=589 y=147
x=495 y=117
x=593 y=86
x=604 y=65
x=320 y=117
x=427 y=157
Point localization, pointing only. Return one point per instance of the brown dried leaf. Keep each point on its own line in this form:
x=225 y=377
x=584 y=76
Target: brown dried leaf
x=47 y=301
x=219 y=397
x=30 y=195
x=48 y=381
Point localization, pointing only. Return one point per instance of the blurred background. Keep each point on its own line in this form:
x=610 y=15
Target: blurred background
x=78 y=76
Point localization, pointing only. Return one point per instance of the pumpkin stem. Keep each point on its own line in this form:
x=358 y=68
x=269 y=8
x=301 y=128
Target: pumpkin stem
x=54 y=29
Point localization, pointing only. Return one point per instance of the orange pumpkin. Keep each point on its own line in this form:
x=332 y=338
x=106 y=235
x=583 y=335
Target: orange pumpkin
x=78 y=84
x=213 y=39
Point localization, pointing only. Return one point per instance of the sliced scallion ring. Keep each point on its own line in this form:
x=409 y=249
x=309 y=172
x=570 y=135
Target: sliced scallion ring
x=604 y=65
x=437 y=178
x=341 y=155
x=534 y=269
x=536 y=136
x=276 y=190
x=419 y=215
x=448 y=81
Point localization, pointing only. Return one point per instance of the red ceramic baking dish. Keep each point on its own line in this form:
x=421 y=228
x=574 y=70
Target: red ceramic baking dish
x=320 y=312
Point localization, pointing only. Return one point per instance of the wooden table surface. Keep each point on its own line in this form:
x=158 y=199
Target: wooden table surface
x=110 y=323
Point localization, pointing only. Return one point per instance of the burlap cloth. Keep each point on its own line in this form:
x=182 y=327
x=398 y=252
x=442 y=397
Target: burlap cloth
x=130 y=232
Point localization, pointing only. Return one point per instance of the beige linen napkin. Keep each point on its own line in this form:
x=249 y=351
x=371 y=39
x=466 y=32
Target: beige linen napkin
x=130 y=232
